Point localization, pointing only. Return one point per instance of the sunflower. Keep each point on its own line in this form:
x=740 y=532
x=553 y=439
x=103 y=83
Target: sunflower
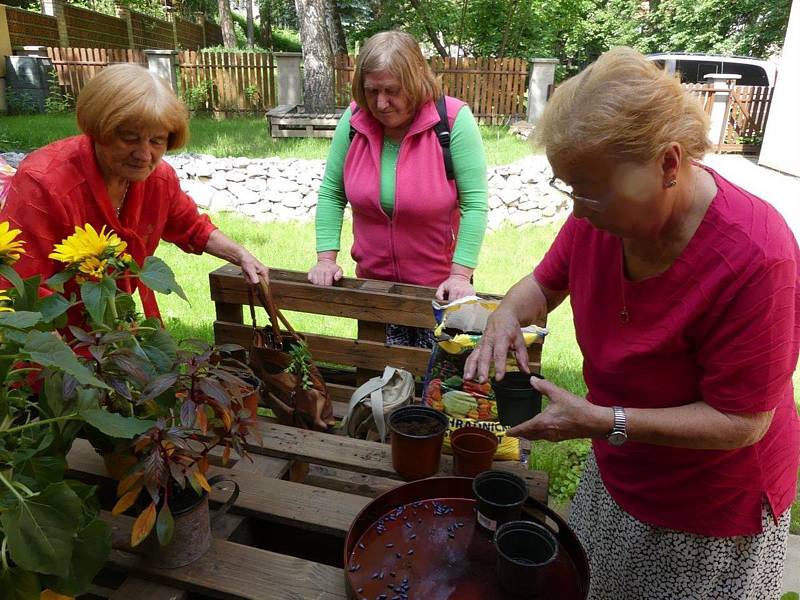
x=94 y=267
x=3 y=299
x=85 y=243
x=10 y=249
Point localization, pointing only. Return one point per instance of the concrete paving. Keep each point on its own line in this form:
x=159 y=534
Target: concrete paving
x=791 y=573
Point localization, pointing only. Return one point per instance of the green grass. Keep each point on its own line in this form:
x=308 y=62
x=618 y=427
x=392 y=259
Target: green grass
x=241 y=136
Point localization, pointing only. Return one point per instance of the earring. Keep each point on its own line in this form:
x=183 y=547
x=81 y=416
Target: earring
x=672 y=183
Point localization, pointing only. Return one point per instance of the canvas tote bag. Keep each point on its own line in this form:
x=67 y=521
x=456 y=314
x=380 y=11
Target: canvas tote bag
x=371 y=403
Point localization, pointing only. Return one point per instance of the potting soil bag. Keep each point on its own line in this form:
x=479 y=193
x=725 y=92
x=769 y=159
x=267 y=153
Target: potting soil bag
x=459 y=328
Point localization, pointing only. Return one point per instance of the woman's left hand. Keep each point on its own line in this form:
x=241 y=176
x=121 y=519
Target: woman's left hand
x=252 y=268
x=566 y=417
x=454 y=287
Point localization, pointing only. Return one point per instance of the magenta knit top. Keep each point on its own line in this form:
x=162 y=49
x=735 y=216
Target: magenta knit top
x=722 y=326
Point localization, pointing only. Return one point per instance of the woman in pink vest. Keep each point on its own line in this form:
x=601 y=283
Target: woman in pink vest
x=411 y=222
x=685 y=295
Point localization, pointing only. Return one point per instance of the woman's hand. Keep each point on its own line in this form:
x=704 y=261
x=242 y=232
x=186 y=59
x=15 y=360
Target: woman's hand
x=325 y=272
x=566 y=417
x=501 y=334
x=253 y=268
x=221 y=246
x=454 y=287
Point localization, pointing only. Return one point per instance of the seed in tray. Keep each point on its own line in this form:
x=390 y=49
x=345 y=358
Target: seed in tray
x=408 y=525
x=362 y=546
x=413 y=536
x=410 y=552
x=390 y=545
x=375 y=575
x=393 y=574
x=397 y=554
x=355 y=568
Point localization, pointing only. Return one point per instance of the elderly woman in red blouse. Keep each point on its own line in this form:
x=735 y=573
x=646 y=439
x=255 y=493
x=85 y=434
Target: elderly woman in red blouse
x=684 y=291
x=113 y=176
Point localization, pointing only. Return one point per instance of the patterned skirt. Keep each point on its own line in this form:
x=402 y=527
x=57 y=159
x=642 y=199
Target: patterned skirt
x=630 y=560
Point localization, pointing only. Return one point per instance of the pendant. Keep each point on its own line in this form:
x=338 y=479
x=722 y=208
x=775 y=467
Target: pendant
x=623 y=315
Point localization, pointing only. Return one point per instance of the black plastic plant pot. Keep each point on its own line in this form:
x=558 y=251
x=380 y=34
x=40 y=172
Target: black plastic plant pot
x=525 y=550
x=500 y=497
x=516 y=399
x=417 y=438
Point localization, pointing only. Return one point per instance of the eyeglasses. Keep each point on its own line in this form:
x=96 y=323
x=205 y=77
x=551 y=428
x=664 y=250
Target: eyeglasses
x=590 y=203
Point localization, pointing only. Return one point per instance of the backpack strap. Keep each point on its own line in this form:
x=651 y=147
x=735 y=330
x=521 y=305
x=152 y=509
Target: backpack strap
x=442 y=129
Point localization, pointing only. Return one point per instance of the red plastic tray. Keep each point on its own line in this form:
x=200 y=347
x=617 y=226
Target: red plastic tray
x=419 y=541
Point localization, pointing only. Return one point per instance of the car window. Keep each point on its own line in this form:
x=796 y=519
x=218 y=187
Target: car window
x=751 y=74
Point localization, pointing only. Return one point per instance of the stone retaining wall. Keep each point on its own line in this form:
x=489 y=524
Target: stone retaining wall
x=278 y=189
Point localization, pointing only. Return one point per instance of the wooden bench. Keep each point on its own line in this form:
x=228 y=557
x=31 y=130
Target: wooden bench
x=371 y=303
x=289 y=120
x=284 y=536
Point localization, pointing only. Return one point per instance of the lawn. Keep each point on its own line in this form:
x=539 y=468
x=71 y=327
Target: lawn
x=507 y=255
x=242 y=136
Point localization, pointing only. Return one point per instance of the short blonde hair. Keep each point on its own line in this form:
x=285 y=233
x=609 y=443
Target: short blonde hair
x=398 y=53
x=623 y=105
x=129 y=94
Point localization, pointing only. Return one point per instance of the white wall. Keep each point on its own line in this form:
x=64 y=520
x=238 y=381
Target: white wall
x=781 y=147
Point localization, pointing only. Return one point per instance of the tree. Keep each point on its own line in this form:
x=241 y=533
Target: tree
x=226 y=23
x=250 y=32
x=265 y=18
x=335 y=29
x=317 y=55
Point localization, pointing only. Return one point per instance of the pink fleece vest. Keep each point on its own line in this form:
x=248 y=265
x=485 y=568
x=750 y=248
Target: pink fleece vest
x=416 y=244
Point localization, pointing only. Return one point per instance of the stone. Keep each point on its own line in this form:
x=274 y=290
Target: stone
x=257 y=184
x=218 y=181
x=510 y=195
x=495 y=201
x=496 y=218
x=519 y=218
x=201 y=194
x=514 y=182
x=310 y=200
x=290 y=199
x=223 y=201
x=203 y=169
x=240 y=162
x=235 y=175
x=281 y=184
x=242 y=194
x=549 y=211
x=528 y=204
x=255 y=169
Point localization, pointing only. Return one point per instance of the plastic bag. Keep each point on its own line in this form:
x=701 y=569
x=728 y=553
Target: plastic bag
x=459 y=328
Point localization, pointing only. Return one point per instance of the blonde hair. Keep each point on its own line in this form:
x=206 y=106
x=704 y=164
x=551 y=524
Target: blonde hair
x=623 y=105
x=398 y=53
x=129 y=94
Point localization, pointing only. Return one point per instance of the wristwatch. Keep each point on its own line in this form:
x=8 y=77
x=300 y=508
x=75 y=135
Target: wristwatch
x=618 y=435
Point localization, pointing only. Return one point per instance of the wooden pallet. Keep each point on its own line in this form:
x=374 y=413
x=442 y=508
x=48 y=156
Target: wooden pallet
x=289 y=120
x=302 y=486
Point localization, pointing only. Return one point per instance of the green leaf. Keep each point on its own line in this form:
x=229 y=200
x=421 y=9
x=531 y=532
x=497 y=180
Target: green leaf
x=165 y=525
x=48 y=350
x=12 y=276
x=19 y=320
x=159 y=277
x=126 y=305
x=95 y=297
x=57 y=281
x=115 y=425
x=17 y=584
x=53 y=307
x=40 y=530
x=92 y=547
x=44 y=469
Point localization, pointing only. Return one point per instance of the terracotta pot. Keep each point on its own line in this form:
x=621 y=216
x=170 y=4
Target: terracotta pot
x=417 y=438
x=191 y=536
x=473 y=450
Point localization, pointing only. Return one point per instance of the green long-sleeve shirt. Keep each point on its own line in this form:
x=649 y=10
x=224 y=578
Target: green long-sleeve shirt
x=469 y=165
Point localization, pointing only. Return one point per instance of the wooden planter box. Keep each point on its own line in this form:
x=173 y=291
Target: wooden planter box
x=289 y=120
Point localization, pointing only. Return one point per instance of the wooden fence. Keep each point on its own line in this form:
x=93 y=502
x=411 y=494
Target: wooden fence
x=227 y=82
x=76 y=66
x=494 y=88
x=748 y=109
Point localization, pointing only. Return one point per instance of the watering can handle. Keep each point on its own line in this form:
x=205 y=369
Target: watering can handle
x=230 y=501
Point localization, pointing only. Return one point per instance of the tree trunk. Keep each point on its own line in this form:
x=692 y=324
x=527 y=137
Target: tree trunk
x=265 y=18
x=338 y=41
x=440 y=48
x=250 y=26
x=226 y=23
x=317 y=56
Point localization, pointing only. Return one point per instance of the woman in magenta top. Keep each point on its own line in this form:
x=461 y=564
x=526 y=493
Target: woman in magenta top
x=684 y=290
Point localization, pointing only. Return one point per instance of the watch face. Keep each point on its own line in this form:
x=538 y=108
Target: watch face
x=617 y=438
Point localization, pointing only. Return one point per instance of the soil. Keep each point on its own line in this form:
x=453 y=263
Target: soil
x=419 y=426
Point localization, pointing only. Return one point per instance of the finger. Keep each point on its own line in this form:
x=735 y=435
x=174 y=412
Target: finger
x=547 y=388
x=529 y=429
x=499 y=353
x=521 y=354
x=440 y=292
x=484 y=359
x=339 y=274
x=469 y=364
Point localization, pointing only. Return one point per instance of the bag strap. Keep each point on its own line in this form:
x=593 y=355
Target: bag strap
x=276 y=317
x=372 y=388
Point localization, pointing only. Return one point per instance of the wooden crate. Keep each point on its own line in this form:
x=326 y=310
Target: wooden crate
x=284 y=536
x=372 y=303
x=289 y=120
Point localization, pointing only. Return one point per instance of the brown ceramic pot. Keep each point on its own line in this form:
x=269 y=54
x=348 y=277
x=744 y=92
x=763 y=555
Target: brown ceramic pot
x=473 y=450
x=417 y=438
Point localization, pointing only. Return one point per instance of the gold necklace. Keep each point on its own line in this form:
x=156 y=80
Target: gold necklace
x=118 y=209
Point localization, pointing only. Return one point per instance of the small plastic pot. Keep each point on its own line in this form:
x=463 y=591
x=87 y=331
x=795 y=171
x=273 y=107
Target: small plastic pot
x=473 y=450
x=516 y=399
x=500 y=497
x=524 y=552
x=417 y=437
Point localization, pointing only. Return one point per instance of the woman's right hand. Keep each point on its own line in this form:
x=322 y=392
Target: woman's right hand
x=501 y=334
x=325 y=272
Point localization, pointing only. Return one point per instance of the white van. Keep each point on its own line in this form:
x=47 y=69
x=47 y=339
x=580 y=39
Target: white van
x=694 y=67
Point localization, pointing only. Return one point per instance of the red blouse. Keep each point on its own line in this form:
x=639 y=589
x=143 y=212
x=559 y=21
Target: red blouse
x=721 y=325
x=60 y=186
